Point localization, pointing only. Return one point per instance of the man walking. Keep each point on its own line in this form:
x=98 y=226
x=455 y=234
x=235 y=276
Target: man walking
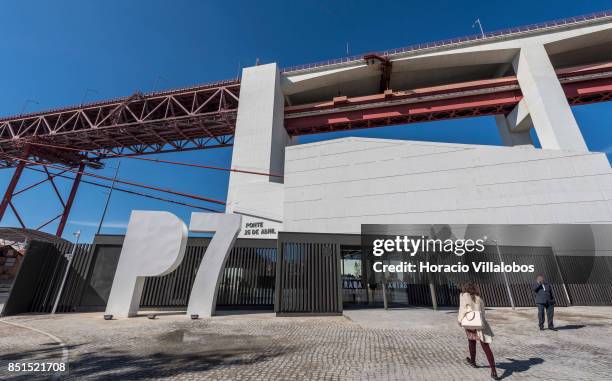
x=545 y=300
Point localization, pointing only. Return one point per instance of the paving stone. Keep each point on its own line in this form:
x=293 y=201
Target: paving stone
x=406 y=344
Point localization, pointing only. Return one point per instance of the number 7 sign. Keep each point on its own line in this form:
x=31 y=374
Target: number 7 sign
x=155 y=244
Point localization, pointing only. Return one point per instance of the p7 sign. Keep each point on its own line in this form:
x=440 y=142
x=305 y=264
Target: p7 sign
x=155 y=245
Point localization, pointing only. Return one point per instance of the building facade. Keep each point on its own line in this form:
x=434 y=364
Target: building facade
x=299 y=248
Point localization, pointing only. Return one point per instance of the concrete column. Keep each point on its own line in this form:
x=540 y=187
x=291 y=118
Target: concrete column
x=552 y=116
x=512 y=137
x=259 y=145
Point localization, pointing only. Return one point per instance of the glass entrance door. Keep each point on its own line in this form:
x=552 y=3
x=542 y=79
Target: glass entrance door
x=362 y=286
x=354 y=285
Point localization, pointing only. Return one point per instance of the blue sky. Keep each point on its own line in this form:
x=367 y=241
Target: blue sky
x=55 y=51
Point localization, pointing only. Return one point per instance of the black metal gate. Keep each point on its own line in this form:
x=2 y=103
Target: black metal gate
x=308 y=275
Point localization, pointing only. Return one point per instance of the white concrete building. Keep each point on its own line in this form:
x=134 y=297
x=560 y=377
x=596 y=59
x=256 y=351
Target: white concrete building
x=335 y=186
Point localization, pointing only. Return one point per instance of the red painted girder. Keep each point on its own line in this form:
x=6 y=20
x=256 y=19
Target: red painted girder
x=593 y=86
x=583 y=85
x=448 y=89
x=400 y=95
x=584 y=69
x=447 y=108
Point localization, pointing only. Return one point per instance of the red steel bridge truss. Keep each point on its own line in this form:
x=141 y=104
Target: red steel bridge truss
x=203 y=117
x=187 y=119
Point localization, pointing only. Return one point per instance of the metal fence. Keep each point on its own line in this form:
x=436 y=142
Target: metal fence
x=38 y=281
x=596 y=288
x=304 y=276
x=308 y=279
x=309 y=282
x=247 y=280
x=414 y=289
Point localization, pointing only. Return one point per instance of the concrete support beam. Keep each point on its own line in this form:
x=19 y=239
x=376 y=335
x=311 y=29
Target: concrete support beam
x=259 y=145
x=552 y=116
x=511 y=138
x=514 y=127
x=519 y=119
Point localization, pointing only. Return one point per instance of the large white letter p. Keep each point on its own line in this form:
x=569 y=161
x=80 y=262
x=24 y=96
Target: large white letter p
x=154 y=245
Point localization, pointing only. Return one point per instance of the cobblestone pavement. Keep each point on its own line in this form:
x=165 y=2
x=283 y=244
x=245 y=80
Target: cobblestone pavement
x=405 y=344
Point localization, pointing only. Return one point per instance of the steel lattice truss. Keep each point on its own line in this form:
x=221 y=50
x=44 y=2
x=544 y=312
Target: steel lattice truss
x=193 y=118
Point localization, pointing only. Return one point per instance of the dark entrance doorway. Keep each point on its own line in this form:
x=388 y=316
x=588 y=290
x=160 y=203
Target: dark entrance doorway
x=363 y=287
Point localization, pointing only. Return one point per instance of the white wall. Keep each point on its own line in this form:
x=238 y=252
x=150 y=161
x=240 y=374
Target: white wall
x=337 y=185
x=259 y=146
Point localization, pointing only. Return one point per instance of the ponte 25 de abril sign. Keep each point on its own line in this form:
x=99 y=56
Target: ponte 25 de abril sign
x=155 y=245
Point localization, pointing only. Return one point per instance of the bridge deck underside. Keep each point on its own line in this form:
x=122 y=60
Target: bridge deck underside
x=582 y=85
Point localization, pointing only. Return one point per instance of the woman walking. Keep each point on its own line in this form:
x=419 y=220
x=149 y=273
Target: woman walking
x=472 y=317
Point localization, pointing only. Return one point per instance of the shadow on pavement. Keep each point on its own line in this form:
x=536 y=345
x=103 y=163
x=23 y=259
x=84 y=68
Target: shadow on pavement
x=570 y=326
x=122 y=365
x=143 y=314
x=235 y=312
x=51 y=352
x=518 y=366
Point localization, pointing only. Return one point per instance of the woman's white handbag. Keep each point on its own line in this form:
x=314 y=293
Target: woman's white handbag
x=472 y=320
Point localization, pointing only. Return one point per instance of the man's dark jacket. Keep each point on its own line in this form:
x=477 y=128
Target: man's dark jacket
x=543 y=294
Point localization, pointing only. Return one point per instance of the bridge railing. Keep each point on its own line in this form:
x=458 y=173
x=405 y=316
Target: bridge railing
x=453 y=41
